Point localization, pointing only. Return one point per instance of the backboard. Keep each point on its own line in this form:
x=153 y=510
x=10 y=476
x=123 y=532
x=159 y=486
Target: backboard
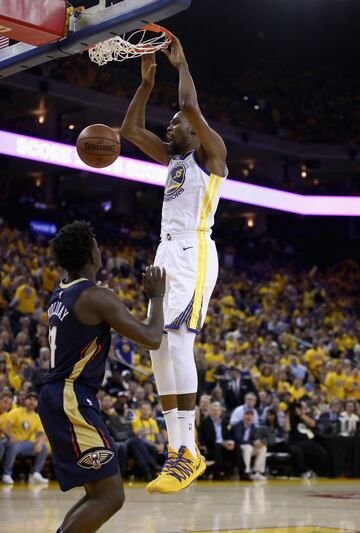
x=105 y=19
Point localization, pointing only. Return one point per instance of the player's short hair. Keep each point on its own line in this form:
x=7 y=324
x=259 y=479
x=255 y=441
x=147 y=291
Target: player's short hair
x=72 y=246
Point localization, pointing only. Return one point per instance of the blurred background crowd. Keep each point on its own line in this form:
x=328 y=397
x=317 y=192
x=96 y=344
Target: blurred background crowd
x=304 y=104
x=278 y=363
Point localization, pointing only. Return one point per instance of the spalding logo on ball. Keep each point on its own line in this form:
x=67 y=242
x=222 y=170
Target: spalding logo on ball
x=98 y=146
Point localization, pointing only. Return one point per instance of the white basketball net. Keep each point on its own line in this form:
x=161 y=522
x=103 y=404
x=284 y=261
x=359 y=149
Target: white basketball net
x=121 y=48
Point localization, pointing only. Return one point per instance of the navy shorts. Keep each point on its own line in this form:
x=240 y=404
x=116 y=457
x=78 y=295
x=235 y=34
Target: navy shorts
x=82 y=448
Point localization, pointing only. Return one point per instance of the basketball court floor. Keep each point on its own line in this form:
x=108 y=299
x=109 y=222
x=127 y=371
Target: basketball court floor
x=322 y=506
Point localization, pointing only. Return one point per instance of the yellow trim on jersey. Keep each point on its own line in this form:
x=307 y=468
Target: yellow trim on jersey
x=86 y=435
x=80 y=365
x=206 y=208
x=66 y=285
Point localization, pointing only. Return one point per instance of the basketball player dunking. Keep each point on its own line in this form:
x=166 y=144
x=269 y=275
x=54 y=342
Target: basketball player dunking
x=196 y=158
x=81 y=315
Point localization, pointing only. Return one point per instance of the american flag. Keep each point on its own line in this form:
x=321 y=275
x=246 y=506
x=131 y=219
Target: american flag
x=4 y=42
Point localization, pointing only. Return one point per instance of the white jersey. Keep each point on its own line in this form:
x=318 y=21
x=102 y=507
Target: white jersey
x=191 y=196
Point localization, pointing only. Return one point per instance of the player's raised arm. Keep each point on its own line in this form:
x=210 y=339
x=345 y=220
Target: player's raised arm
x=99 y=304
x=212 y=149
x=133 y=126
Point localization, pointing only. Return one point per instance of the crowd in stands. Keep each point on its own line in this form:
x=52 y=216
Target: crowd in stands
x=309 y=105
x=278 y=362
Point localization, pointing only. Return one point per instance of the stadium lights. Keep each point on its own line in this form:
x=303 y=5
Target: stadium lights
x=250 y=222
x=22 y=146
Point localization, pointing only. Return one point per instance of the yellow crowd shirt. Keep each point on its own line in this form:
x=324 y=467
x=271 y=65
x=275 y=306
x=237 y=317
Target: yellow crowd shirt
x=149 y=428
x=50 y=278
x=214 y=361
x=297 y=394
x=315 y=359
x=336 y=385
x=3 y=420
x=265 y=382
x=24 y=425
x=27 y=299
x=353 y=387
x=283 y=386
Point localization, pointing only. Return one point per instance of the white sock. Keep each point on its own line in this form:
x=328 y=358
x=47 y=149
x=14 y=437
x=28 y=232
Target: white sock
x=172 y=428
x=187 y=430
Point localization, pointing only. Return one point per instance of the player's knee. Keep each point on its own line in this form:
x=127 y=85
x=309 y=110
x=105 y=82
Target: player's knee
x=116 y=500
x=110 y=502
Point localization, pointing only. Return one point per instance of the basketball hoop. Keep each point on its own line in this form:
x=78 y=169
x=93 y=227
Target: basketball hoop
x=136 y=44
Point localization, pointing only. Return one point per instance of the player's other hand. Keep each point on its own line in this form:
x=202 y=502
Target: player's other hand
x=154 y=281
x=148 y=68
x=176 y=54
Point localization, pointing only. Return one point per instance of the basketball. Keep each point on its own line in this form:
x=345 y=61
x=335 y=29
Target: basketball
x=98 y=145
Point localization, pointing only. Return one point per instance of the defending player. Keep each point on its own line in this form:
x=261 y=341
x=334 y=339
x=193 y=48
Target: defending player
x=81 y=315
x=196 y=157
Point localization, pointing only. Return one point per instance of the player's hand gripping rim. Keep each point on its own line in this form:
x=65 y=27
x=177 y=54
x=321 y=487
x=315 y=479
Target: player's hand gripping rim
x=148 y=68
x=154 y=282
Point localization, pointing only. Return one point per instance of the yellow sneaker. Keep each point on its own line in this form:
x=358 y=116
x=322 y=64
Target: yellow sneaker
x=180 y=472
x=171 y=456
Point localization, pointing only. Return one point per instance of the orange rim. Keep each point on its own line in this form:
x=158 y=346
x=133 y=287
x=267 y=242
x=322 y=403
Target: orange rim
x=156 y=28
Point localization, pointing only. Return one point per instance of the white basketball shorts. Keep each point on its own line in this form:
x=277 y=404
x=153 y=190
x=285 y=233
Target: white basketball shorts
x=192 y=266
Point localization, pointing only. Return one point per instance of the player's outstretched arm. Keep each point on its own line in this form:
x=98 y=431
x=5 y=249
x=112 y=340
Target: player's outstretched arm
x=98 y=304
x=133 y=126
x=212 y=149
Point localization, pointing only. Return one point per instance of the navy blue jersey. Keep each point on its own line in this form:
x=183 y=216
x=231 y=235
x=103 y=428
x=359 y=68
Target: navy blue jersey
x=78 y=352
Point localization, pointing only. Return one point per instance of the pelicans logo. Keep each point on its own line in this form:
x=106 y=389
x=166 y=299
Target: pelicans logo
x=175 y=182
x=96 y=459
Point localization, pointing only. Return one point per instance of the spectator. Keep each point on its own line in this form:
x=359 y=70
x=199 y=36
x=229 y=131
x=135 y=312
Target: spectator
x=238 y=414
x=297 y=370
x=222 y=372
x=25 y=298
x=137 y=400
x=42 y=364
x=204 y=406
x=120 y=428
x=5 y=406
x=275 y=435
x=310 y=455
x=315 y=358
x=150 y=395
x=237 y=388
x=353 y=384
x=336 y=382
x=146 y=428
x=217 y=395
x=107 y=408
x=297 y=390
x=328 y=423
x=264 y=403
x=26 y=437
x=216 y=441
x=349 y=420
x=125 y=351
x=246 y=439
